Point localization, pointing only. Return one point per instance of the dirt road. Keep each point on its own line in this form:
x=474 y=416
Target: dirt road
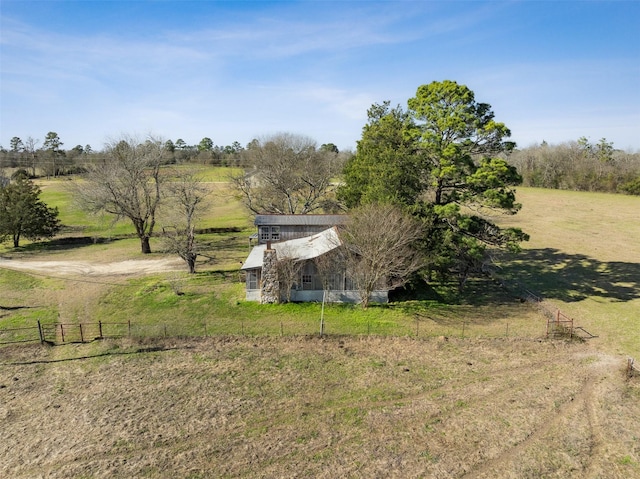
x=89 y=268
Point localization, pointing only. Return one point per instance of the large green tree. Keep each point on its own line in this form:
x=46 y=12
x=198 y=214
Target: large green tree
x=55 y=155
x=385 y=168
x=440 y=159
x=24 y=214
x=206 y=144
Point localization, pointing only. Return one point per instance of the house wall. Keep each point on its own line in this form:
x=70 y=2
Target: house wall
x=253 y=295
x=255 y=285
x=349 y=297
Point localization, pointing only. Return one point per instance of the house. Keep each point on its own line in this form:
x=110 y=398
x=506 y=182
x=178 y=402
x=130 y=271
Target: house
x=307 y=242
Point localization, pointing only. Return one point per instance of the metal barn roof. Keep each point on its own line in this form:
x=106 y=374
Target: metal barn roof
x=300 y=248
x=300 y=220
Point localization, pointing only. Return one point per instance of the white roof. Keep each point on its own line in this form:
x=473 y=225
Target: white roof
x=300 y=248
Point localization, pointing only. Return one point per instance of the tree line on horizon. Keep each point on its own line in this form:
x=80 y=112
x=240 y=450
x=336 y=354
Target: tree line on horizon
x=578 y=165
x=51 y=160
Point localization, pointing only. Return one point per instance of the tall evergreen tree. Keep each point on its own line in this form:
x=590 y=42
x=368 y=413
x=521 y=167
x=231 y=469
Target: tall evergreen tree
x=439 y=158
x=24 y=214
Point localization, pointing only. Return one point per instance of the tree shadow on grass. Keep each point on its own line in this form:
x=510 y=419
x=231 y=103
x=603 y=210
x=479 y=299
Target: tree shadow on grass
x=553 y=274
x=479 y=291
x=68 y=243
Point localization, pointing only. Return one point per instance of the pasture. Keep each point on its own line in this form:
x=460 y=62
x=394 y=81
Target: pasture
x=441 y=386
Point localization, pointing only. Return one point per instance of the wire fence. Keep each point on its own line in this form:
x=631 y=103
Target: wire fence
x=559 y=325
x=420 y=326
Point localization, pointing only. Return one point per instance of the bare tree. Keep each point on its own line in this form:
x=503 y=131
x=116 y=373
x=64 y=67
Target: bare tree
x=186 y=195
x=288 y=271
x=30 y=151
x=331 y=269
x=379 y=247
x=288 y=175
x=126 y=183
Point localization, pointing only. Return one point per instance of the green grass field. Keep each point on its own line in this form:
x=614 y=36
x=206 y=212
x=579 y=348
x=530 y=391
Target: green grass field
x=582 y=258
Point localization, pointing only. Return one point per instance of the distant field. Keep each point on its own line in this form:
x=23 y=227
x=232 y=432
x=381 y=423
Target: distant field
x=224 y=211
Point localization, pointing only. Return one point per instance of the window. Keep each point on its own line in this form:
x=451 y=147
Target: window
x=335 y=282
x=268 y=233
x=307 y=276
x=253 y=279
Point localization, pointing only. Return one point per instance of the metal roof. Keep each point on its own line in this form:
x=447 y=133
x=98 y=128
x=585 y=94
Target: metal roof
x=300 y=248
x=300 y=220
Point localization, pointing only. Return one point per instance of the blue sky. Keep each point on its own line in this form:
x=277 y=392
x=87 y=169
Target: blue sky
x=232 y=71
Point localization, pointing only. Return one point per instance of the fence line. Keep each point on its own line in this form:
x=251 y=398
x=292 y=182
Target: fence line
x=65 y=332
x=558 y=323
x=420 y=327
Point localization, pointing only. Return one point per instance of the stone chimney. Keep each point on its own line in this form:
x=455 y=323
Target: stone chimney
x=270 y=286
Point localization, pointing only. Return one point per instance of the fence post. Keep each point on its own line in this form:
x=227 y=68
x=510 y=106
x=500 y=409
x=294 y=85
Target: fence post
x=81 y=335
x=547 y=334
x=571 y=330
x=281 y=329
x=40 y=333
x=62 y=332
x=129 y=323
x=100 y=329
x=324 y=293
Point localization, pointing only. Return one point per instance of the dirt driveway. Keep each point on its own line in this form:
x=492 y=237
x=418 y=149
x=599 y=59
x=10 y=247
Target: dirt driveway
x=88 y=268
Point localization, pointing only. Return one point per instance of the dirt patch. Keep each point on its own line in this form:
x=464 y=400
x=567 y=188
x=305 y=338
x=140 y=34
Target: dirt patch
x=89 y=268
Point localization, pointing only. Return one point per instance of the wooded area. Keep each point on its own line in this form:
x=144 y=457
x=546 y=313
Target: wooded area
x=578 y=164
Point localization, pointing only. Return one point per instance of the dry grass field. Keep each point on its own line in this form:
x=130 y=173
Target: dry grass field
x=325 y=408
x=584 y=258
x=237 y=406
